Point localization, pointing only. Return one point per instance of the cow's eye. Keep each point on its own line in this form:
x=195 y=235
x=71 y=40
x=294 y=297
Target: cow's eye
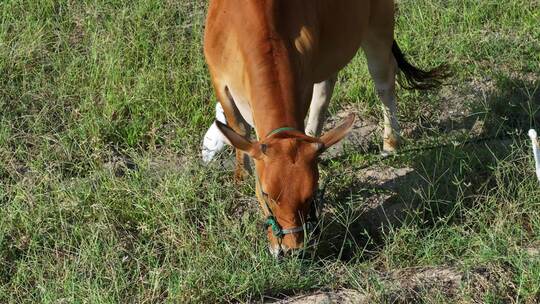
x=265 y=196
x=268 y=199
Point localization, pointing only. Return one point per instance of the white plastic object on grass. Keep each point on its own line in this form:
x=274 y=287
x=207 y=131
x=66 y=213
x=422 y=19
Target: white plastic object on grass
x=536 y=150
x=214 y=141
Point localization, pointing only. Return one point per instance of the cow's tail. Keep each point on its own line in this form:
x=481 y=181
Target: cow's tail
x=415 y=78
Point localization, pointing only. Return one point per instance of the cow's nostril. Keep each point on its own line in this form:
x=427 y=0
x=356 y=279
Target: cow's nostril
x=292 y=251
x=280 y=251
x=276 y=251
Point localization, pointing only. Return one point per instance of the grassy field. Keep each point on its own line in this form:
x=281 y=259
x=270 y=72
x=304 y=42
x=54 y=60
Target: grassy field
x=103 y=105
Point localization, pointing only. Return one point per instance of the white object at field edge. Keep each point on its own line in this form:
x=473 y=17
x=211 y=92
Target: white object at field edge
x=536 y=150
x=214 y=141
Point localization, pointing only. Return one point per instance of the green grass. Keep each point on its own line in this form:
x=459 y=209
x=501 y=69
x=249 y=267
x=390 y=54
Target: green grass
x=87 y=85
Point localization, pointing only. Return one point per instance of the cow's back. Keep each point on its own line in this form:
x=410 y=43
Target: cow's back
x=322 y=35
x=269 y=53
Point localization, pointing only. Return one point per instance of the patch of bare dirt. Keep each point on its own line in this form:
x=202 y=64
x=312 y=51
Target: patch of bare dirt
x=412 y=284
x=469 y=107
x=244 y=205
x=408 y=284
x=361 y=136
x=159 y=163
x=384 y=208
x=533 y=251
x=384 y=177
x=454 y=112
x=378 y=197
x=170 y=163
x=119 y=164
x=341 y=297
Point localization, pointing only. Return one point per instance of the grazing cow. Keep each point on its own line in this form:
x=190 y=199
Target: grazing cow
x=272 y=62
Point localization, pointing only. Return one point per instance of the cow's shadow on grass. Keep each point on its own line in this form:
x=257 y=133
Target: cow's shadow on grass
x=359 y=214
x=429 y=185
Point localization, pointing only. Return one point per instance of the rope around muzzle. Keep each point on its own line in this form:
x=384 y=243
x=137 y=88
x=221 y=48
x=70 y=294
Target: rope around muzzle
x=271 y=221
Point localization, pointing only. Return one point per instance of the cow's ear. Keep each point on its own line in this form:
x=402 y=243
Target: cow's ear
x=336 y=134
x=240 y=142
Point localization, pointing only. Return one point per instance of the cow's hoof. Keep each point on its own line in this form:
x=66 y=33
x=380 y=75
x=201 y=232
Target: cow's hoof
x=386 y=154
x=391 y=145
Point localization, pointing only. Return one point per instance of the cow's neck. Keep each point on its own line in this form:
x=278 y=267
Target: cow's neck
x=277 y=97
x=273 y=109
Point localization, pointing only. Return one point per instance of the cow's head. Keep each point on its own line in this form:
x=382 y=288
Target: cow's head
x=287 y=178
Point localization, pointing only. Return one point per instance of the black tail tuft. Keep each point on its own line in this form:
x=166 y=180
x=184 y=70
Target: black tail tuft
x=415 y=78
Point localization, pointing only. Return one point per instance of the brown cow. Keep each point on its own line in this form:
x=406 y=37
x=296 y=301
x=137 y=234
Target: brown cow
x=272 y=61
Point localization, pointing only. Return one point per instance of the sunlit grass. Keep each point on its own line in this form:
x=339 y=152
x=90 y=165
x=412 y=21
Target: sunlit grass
x=103 y=106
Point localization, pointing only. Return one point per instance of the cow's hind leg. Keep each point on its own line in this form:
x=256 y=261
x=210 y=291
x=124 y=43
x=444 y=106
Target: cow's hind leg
x=383 y=68
x=322 y=93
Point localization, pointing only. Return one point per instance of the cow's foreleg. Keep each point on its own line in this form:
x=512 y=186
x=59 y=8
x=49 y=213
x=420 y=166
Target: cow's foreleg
x=322 y=93
x=383 y=67
x=240 y=126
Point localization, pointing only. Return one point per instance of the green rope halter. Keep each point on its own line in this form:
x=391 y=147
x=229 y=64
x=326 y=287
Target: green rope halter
x=279 y=130
x=276 y=228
